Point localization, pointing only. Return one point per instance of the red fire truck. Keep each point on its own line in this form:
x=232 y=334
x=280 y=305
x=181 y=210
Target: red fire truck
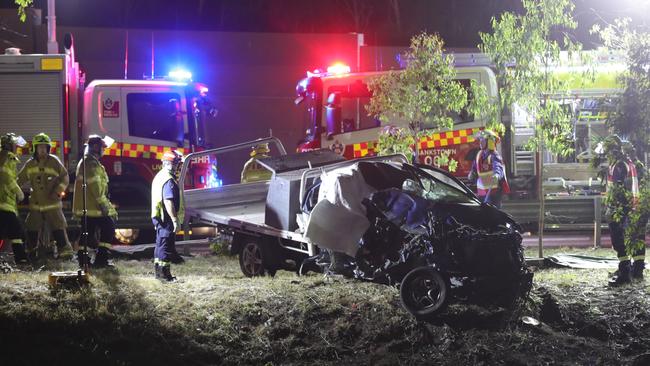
x=336 y=116
x=47 y=93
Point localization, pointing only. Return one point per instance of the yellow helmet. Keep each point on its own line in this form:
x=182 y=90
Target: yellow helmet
x=41 y=139
x=260 y=149
x=490 y=136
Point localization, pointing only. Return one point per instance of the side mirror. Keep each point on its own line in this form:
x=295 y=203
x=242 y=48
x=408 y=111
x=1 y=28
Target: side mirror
x=333 y=115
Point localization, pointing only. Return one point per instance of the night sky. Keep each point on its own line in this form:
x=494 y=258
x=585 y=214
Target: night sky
x=384 y=22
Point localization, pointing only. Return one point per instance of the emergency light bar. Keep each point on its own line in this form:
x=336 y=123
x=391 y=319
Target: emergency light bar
x=332 y=70
x=180 y=75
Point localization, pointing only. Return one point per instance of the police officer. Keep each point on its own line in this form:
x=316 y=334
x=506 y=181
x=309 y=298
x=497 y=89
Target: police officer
x=48 y=180
x=488 y=170
x=638 y=258
x=167 y=213
x=622 y=182
x=100 y=213
x=10 y=192
x=253 y=171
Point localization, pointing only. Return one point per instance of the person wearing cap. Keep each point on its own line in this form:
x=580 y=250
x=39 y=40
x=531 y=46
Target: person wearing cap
x=48 y=180
x=622 y=196
x=253 y=171
x=488 y=170
x=100 y=212
x=167 y=213
x=638 y=257
x=10 y=193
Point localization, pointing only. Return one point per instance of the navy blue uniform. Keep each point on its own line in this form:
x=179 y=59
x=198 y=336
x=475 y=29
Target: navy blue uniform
x=165 y=235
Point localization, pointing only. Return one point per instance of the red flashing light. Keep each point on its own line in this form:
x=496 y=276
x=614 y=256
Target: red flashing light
x=338 y=69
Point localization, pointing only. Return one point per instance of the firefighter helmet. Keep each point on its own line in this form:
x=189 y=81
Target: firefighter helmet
x=41 y=139
x=9 y=141
x=96 y=140
x=490 y=137
x=260 y=149
x=173 y=157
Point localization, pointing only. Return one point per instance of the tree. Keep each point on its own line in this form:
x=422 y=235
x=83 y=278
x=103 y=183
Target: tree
x=423 y=94
x=524 y=47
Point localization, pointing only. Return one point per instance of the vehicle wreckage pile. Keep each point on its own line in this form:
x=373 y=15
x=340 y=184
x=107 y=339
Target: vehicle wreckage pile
x=431 y=236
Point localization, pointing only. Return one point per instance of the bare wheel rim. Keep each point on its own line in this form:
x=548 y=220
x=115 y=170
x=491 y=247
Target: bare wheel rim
x=252 y=259
x=426 y=292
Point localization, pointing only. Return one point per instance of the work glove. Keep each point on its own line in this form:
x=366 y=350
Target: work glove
x=176 y=226
x=20 y=195
x=105 y=209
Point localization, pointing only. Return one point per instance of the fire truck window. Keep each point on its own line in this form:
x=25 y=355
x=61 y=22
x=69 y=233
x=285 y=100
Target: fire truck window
x=355 y=116
x=464 y=116
x=155 y=116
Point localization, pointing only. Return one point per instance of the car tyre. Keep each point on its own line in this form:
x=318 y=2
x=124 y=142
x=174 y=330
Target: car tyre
x=424 y=292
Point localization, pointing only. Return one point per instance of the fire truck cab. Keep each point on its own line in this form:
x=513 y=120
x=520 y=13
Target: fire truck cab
x=335 y=104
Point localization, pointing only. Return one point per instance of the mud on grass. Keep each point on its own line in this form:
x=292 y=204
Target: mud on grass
x=215 y=316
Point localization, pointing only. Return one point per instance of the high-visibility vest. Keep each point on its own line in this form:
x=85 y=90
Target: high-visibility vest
x=48 y=179
x=157 y=205
x=96 y=190
x=8 y=185
x=631 y=179
x=485 y=172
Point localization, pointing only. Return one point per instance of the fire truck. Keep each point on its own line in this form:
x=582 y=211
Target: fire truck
x=335 y=111
x=47 y=93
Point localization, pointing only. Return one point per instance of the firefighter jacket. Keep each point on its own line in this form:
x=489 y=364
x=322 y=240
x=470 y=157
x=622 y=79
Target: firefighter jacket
x=48 y=179
x=97 y=202
x=254 y=172
x=490 y=172
x=157 y=205
x=9 y=188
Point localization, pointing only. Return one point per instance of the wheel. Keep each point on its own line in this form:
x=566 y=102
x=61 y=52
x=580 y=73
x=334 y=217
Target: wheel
x=251 y=259
x=424 y=292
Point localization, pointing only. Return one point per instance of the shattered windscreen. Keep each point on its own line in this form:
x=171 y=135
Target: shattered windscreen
x=440 y=188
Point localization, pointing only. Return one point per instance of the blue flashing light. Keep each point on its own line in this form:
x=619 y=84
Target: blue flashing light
x=180 y=75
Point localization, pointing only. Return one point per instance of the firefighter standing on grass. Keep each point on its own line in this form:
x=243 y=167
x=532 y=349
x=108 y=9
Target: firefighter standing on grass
x=10 y=192
x=488 y=170
x=48 y=180
x=167 y=213
x=638 y=258
x=622 y=194
x=100 y=213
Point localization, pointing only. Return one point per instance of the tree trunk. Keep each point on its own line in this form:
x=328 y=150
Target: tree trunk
x=540 y=195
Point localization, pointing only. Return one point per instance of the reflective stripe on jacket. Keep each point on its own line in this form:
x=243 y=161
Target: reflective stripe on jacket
x=97 y=202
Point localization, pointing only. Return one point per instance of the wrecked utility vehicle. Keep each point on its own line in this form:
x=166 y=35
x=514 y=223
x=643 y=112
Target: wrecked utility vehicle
x=378 y=219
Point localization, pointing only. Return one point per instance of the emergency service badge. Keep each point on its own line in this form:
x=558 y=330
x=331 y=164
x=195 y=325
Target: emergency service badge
x=110 y=108
x=338 y=147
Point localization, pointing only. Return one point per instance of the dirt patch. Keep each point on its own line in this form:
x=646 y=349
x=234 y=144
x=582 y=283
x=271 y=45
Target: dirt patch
x=215 y=316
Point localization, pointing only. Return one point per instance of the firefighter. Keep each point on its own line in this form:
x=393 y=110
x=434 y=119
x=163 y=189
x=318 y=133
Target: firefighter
x=638 y=258
x=167 y=213
x=48 y=180
x=622 y=183
x=100 y=213
x=10 y=192
x=488 y=170
x=253 y=171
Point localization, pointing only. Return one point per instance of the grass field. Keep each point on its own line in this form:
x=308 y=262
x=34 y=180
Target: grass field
x=214 y=315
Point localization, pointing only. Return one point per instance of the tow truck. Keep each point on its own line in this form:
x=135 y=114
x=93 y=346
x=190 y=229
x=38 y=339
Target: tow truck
x=47 y=93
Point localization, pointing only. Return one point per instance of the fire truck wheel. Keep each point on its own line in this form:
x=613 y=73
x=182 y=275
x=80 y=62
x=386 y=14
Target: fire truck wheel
x=424 y=292
x=251 y=259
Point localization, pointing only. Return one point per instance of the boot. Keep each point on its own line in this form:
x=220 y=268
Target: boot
x=101 y=259
x=166 y=274
x=83 y=259
x=623 y=275
x=20 y=257
x=63 y=247
x=158 y=270
x=637 y=270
